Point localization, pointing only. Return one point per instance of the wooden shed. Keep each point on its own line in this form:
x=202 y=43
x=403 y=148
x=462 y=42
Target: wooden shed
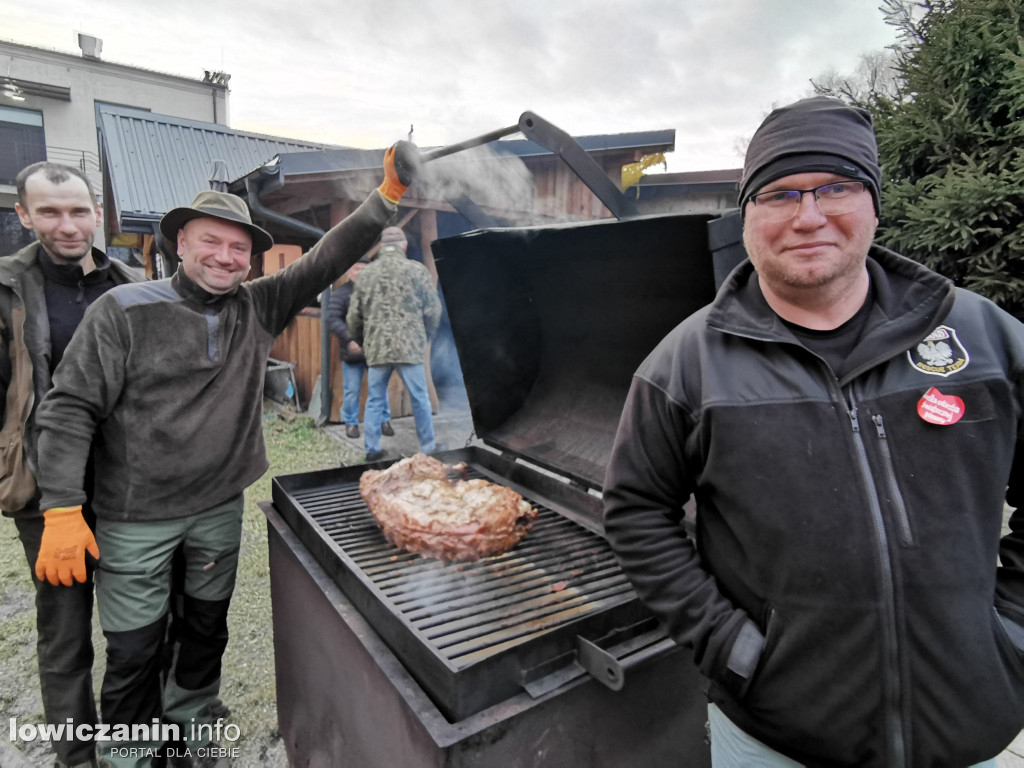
x=298 y=190
x=506 y=183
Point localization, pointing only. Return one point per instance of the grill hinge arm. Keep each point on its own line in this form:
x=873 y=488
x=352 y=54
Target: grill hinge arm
x=608 y=664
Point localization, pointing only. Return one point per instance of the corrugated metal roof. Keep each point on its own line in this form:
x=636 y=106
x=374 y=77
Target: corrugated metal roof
x=649 y=141
x=158 y=162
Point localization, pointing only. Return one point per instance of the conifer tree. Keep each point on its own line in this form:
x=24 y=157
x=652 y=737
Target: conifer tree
x=951 y=140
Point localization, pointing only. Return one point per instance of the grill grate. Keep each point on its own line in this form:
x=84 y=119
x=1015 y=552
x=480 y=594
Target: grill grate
x=557 y=574
x=471 y=634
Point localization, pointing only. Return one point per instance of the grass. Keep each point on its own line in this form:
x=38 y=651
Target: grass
x=294 y=445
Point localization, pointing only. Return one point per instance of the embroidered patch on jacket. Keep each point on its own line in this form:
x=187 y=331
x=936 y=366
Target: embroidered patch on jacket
x=940 y=354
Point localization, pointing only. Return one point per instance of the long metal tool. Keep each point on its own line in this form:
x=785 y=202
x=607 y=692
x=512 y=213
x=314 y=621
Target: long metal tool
x=550 y=136
x=451 y=149
x=553 y=138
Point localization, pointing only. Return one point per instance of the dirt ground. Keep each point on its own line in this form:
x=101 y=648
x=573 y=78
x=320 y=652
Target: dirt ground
x=248 y=683
x=248 y=686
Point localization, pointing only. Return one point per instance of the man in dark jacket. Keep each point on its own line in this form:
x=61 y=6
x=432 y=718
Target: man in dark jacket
x=169 y=377
x=44 y=291
x=353 y=361
x=849 y=425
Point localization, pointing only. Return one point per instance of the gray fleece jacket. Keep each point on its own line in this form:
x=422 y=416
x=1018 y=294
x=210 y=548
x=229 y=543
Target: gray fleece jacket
x=169 y=378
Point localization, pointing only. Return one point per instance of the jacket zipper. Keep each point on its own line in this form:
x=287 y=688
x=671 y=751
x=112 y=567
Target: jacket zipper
x=897 y=757
x=902 y=518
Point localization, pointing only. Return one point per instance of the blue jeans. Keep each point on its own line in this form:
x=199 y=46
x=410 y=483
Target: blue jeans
x=732 y=747
x=352 y=385
x=415 y=379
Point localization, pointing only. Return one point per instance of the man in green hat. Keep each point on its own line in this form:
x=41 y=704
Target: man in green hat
x=168 y=378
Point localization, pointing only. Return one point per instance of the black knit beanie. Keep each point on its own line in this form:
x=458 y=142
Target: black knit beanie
x=819 y=134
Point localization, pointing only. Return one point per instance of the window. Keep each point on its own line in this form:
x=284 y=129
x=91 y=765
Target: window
x=21 y=141
x=13 y=236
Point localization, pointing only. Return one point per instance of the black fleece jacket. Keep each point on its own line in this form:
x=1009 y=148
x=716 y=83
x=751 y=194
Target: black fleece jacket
x=170 y=379
x=858 y=541
x=337 y=309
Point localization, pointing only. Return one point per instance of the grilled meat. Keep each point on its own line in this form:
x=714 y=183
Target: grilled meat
x=422 y=511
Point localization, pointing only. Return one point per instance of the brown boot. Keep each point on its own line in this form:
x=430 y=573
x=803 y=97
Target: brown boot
x=351 y=430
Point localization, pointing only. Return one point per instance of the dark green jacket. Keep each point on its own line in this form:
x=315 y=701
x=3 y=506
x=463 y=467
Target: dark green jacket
x=25 y=369
x=170 y=379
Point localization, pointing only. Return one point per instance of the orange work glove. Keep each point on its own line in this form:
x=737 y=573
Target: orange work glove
x=400 y=164
x=66 y=539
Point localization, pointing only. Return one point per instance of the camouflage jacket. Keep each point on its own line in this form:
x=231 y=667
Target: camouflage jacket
x=394 y=309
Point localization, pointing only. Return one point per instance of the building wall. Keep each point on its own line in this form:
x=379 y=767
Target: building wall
x=70 y=126
x=689 y=201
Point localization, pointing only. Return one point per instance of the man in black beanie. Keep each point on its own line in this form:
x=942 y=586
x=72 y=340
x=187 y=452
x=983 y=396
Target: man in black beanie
x=848 y=423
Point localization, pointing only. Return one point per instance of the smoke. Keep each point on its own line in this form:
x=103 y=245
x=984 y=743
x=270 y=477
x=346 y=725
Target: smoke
x=499 y=183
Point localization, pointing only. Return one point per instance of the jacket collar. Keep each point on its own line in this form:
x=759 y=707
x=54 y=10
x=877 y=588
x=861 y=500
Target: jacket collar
x=191 y=291
x=910 y=300
x=394 y=251
x=19 y=262
x=29 y=257
x=72 y=274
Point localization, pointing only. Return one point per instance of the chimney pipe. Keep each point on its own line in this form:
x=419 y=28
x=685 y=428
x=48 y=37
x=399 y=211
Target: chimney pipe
x=91 y=46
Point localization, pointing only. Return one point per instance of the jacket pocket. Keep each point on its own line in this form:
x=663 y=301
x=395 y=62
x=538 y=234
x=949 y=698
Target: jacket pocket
x=1006 y=631
x=749 y=654
x=17 y=483
x=892 y=486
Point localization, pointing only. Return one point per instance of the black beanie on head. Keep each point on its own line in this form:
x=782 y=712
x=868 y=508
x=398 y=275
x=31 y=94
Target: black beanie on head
x=816 y=134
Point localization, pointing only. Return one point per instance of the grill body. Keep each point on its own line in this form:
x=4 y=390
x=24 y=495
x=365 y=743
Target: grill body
x=345 y=699
x=472 y=634
x=387 y=659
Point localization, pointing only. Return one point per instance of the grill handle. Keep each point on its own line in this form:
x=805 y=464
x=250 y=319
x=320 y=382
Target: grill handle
x=606 y=668
x=606 y=663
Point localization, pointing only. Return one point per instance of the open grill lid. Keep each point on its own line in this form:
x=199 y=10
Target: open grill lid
x=551 y=322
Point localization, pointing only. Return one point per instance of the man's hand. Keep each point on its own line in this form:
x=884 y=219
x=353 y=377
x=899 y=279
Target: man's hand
x=401 y=163
x=66 y=539
x=354 y=349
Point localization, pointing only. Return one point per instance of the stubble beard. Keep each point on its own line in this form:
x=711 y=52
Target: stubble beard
x=60 y=257
x=794 y=280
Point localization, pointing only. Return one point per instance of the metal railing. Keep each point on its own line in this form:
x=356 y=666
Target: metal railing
x=85 y=160
x=15 y=155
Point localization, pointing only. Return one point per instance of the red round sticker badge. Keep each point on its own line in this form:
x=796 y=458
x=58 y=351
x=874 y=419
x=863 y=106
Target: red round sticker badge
x=937 y=408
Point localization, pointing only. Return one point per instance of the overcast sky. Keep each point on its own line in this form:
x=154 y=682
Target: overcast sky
x=360 y=72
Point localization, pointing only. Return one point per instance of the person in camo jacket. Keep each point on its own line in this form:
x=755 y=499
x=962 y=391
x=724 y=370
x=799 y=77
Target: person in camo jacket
x=393 y=313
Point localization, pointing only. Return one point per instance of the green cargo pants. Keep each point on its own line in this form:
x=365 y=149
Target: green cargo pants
x=133 y=593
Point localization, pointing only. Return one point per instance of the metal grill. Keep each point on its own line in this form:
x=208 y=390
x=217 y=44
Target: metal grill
x=467 y=631
x=557 y=574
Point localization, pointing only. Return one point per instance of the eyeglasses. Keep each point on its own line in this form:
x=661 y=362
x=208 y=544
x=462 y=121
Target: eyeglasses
x=833 y=199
